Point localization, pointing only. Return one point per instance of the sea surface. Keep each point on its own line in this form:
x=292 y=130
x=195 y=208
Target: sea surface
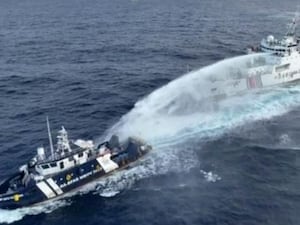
x=135 y=67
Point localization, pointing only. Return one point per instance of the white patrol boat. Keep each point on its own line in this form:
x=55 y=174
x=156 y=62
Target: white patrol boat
x=69 y=166
x=279 y=65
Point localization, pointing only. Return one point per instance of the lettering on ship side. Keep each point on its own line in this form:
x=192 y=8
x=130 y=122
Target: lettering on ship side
x=76 y=179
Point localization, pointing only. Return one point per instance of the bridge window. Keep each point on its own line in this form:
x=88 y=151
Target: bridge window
x=53 y=164
x=62 y=165
x=46 y=166
x=80 y=154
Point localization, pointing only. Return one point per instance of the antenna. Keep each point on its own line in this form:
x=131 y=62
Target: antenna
x=293 y=25
x=50 y=139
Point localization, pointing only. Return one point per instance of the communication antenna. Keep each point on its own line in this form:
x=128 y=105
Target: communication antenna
x=187 y=68
x=293 y=25
x=50 y=139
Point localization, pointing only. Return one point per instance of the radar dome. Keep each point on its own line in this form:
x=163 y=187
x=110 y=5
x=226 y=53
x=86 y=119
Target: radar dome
x=270 y=38
x=41 y=153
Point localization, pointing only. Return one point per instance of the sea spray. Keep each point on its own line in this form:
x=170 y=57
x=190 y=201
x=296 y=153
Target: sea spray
x=181 y=108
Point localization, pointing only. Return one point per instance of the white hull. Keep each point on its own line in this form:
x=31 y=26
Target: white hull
x=236 y=86
x=258 y=71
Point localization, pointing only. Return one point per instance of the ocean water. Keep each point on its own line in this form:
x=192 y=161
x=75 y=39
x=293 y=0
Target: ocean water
x=120 y=66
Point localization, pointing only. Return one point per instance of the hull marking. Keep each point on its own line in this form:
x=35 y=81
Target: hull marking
x=106 y=163
x=54 y=186
x=45 y=189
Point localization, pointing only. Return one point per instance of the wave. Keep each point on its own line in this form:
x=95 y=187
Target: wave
x=10 y=216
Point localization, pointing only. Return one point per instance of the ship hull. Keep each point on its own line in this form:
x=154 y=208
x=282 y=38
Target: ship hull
x=221 y=90
x=58 y=185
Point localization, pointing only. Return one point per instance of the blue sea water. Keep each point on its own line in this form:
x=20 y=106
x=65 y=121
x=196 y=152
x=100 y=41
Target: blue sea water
x=103 y=67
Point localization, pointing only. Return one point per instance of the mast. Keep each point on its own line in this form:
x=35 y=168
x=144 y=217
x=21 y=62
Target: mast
x=50 y=139
x=293 y=25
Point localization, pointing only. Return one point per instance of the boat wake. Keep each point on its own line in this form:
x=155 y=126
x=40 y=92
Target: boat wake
x=10 y=216
x=172 y=115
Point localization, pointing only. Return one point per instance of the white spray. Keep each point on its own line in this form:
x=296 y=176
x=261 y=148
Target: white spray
x=181 y=108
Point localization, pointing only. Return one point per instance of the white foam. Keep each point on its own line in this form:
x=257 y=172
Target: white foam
x=10 y=216
x=210 y=176
x=172 y=159
x=284 y=139
x=109 y=193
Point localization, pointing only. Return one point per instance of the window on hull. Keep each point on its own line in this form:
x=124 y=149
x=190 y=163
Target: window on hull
x=46 y=166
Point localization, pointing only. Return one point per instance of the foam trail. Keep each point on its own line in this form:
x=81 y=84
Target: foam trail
x=10 y=216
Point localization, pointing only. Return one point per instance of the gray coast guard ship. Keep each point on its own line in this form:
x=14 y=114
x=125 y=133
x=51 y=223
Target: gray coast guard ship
x=68 y=167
